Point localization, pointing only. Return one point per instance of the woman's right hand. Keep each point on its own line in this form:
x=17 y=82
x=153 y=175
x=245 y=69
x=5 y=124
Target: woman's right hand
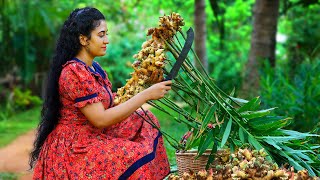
x=157 y=90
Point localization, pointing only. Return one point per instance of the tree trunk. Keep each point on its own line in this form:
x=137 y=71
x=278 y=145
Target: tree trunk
x=218 y=11
x=200 y=33
x=263 y=43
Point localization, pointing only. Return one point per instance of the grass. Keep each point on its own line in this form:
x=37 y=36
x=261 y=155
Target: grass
x=18 y=124
x=8 y=176
x=172 y=127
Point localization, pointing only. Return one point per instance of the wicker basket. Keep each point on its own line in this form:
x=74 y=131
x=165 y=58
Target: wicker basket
x=186 y=161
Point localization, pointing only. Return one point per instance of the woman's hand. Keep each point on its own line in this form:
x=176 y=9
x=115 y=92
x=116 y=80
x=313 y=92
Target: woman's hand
x=157 y=91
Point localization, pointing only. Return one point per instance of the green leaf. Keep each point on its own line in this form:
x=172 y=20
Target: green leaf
x=296 y=165
x=256 y=114
x=268 y=123
x=212 y=154
x=237 y=142
x=252 y=105
x=242 y=135
x=207 y=140
x=254 y=142
x=208 y=117
x=297 y=134
x=315 y=147
x=239 y=100
x=273 y=143
x=299 y=153
x=193 y=143
x=226 y=133
x=231 y=94
x=280 y=139
x=232 y=146
x=307 y=166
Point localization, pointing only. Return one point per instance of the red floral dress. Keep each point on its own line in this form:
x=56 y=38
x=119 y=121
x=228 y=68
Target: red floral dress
x=75 y=149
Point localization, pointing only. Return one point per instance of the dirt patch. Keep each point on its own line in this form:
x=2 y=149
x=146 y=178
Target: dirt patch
x=14 y=157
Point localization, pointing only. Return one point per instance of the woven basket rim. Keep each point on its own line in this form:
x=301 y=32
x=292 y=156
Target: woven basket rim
x=192 y=152
x=187 y=160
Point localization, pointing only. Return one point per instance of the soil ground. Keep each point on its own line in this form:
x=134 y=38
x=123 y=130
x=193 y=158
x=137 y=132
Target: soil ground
x=14 y=157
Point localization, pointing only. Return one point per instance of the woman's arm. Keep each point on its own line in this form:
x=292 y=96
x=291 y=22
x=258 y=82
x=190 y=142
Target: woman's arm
x=102 y=118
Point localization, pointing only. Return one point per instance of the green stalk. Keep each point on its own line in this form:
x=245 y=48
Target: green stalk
x=217 y=99
x=209 y=90
x=182 y=112
x=178 y=40
x=167 y=136
x=192 y=90
x=159 y=108
x=199 y=73
x=184 y=99
x=155 y=126
x=196 y=76
x=210 y=84
x=187 y=67
x=171 y=49
x=196 y=56
x=214 y=97
x=170 y=102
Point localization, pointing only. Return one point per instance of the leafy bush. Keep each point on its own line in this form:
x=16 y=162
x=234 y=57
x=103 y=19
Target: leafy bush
x=298 y=96
x=23 y=100
x=18 y=100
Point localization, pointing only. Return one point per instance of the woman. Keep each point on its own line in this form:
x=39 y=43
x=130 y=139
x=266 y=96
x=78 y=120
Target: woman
x=81 y=134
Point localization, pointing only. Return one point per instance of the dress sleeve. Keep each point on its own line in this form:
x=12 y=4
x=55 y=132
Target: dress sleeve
x=78 y=85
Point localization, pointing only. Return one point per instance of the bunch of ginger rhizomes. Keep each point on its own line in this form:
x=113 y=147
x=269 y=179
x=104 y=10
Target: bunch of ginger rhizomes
x=151 y=59
x=244 y=164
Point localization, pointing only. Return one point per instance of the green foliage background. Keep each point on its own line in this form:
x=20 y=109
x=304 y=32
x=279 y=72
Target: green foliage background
x=29 y=30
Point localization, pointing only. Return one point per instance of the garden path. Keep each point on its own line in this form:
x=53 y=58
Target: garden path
x=14 y=157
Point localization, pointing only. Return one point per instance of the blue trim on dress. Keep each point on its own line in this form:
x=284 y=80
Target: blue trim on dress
x=109 y=96
x=86 y=97
x=142 y=161
x=78 y=60
x=99 y=70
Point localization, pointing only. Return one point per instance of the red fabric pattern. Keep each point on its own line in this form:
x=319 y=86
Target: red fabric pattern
x=75 y=149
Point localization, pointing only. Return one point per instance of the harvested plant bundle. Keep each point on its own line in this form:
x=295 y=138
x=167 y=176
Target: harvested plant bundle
x=216 y=119
x=151 y=59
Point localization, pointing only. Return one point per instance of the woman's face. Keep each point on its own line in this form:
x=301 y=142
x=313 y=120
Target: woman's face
x=97 y=44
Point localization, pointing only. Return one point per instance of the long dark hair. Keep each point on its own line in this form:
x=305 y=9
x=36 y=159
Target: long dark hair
x=80 y=21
